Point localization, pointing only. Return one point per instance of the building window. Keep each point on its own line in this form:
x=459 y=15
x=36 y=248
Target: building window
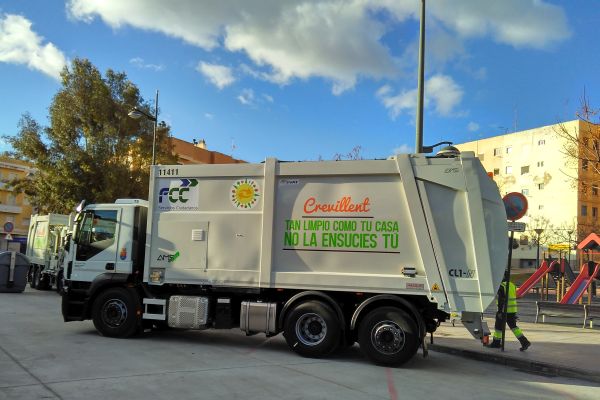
x=584 y=165
x=595 y=190
x=583 y=210
x=497 y=151
x=525 y=170
x=540 y=186
x=541 y=142
x=25 y=222
x=595 y=212
x=540 y=164
x=508 y=149
x=10 y=218
x=11 y=199
x=496 y=171
x=541 y=207
x=525 y=192
x=509 y=170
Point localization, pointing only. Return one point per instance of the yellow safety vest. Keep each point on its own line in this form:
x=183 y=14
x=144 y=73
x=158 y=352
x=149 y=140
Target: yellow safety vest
x=512 y=297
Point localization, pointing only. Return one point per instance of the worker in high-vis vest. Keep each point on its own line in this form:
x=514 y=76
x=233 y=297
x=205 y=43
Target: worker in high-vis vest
x=511 y=316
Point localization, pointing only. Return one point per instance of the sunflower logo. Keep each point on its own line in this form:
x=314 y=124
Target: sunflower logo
x=245 y=194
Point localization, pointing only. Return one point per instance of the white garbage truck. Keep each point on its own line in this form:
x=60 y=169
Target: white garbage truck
x=377 y=252
x=45 y=250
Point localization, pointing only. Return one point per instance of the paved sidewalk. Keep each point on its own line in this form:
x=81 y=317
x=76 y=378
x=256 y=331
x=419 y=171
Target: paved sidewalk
x=556 y=350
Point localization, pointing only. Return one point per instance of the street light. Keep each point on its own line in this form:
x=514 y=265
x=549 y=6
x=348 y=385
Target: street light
x=136 y=113
x=537 y=257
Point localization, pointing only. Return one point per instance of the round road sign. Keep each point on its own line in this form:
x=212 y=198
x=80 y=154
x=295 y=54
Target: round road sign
x=516 y=205
x=8 y=227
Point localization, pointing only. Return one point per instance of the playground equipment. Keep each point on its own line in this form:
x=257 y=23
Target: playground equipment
x=535 y=278
x=559 y=271
x=589 y=272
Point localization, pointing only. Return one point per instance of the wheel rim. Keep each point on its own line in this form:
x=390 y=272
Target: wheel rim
x=311 y=329
x=388 y=337
x=114 y=313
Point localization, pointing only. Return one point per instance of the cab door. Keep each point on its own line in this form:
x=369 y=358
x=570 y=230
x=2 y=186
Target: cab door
x=96 y=244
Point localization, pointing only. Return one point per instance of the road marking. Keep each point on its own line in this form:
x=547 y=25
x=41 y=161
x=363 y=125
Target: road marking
x=390 y=384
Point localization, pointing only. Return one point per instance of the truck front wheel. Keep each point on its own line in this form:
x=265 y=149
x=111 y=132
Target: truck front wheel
x=312 y=329
x=388 y=336
x=114 y=313
x=60 y=282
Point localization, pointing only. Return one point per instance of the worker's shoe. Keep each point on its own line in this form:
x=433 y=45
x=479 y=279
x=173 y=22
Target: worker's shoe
x=496 y=344
x=524 y=343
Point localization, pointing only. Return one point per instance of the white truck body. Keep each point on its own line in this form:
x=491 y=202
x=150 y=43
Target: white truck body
x=374 y=251
x=45 y=242
x=351 y=226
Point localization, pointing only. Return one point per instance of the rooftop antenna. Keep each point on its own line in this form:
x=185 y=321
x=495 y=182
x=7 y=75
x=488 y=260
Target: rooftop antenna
x=233 y=146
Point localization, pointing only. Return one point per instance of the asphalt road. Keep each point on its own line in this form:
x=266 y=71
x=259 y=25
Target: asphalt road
x=43 y=358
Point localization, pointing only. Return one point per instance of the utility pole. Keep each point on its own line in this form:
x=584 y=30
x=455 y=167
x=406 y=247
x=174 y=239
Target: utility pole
x=421 y=83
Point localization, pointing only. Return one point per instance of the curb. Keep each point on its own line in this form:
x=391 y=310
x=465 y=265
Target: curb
x=524 y=365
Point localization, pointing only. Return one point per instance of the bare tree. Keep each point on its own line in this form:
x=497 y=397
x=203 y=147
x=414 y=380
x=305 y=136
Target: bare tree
x=354 y=154
x=543 y=223
x=581 y=147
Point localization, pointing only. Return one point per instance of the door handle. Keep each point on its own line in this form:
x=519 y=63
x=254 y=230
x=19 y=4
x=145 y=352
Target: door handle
x=110 y=266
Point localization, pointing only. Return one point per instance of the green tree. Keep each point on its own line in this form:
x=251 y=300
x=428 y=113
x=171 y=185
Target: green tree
x=91 y=150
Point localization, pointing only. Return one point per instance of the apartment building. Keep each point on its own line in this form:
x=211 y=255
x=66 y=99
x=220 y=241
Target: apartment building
x=15 y=210
x=533 y=162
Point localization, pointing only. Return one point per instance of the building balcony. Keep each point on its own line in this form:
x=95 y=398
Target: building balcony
x=11 y=209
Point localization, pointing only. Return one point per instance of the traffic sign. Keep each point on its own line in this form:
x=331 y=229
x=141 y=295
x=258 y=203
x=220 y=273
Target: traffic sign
x=8 y=227
x=516 y=206
x=8 y=236
x=516 y=226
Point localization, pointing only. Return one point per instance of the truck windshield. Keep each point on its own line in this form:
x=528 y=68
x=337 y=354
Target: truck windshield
x=97 y=233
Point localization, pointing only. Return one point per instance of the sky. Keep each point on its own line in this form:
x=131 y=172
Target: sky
x=309 y=79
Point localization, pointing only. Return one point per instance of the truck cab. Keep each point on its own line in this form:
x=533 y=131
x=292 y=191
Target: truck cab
x=107 y=246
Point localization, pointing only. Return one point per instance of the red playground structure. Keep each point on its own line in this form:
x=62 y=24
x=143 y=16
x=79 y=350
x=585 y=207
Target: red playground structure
x=561 y=272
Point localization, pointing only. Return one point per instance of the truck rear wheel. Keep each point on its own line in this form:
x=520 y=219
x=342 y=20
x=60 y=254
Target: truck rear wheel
x=115 y=313
x=33 y=278
x=312 y=329
x=388 y=336
x=39 y=281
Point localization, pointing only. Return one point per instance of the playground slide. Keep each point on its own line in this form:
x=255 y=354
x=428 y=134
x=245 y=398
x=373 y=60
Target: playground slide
x=535 y=278
x=581 y=283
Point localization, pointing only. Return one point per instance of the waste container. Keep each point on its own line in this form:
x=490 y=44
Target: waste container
x=13 y=272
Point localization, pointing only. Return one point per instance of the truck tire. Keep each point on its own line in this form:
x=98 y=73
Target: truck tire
x=43 y=280
x=60 y=284
x=312 y=329
x=388 y=336
x=115 y=313
x=33 y=273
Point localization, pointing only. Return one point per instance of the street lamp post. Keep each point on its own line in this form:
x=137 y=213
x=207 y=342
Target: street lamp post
x=420 y=83
x=537 y=257
x=570 y=232
x=136 y=113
